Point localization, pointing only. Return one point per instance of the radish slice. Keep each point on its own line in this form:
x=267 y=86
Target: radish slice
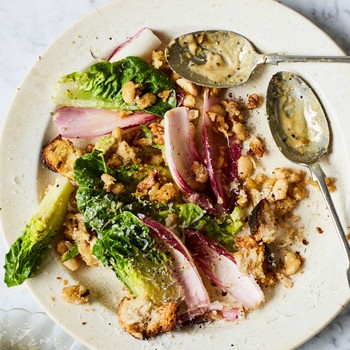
x=196 y=296
x=215 y=146
x=220 y=266
x=181 y=153
x=140 y=44
x=91 y=122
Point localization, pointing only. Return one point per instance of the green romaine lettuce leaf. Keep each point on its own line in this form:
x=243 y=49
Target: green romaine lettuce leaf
x=28 y=251
x=88 y=171
x=89 y=168
x=222 y=230
x=123 y=241
x=71 y=253
x=126 y=246
x=100 y=86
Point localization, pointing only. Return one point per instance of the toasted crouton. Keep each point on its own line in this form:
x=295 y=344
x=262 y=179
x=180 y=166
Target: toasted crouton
x=85 y=251
x=59 y=156
x=143 y=319
x=262 y=222
x=250 y=261
x=76 y=294
x=74 y=229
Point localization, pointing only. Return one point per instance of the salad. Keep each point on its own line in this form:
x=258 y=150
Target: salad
x=167 y=191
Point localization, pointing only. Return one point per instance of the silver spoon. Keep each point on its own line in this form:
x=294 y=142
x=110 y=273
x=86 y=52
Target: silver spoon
x=300 y=129
x=224 y=59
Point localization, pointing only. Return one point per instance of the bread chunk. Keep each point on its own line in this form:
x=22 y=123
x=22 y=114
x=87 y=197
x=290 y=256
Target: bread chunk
x=76 y=294
x=143 y=319
x=59 y=156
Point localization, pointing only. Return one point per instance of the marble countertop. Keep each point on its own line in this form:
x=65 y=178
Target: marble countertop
x=27 y=28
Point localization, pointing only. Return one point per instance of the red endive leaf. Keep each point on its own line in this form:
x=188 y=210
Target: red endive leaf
x=220 y=266
x=196 y=296
x=140 y=44
x=223 y=150
x=181 y=152
x=75 y=122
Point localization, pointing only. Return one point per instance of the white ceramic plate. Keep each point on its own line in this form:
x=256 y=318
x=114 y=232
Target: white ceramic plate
x=290 y=317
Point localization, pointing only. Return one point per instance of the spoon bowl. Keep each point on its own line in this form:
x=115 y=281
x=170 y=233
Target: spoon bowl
x=213 y=58
x=219 y=58
x=300 y=129
x=296 y=118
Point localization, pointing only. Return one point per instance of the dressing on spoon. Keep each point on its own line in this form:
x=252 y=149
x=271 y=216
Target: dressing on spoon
x=218 y=58
x=300 y=129
x=298 y=117
x=228 y=57
x=212 y=58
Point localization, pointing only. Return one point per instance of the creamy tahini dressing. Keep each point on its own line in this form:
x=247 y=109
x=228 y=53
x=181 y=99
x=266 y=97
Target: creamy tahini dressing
x=229 y=58
x=299 y=119
x=293 y=123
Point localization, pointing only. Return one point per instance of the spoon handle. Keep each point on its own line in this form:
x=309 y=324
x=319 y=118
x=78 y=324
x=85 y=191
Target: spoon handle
x=276 y=59
x=319 y=175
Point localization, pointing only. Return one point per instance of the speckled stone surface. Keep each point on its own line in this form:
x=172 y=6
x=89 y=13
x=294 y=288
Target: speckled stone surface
x=27 y=28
